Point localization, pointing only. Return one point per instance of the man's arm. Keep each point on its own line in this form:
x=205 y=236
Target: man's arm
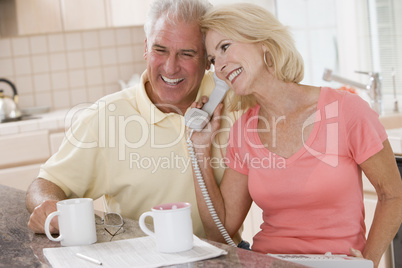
x=41 y=199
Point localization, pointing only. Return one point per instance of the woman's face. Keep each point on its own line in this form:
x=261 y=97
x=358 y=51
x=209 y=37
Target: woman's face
x=238 y=64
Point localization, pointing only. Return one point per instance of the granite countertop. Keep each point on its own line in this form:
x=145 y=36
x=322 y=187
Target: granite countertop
x=20 y=247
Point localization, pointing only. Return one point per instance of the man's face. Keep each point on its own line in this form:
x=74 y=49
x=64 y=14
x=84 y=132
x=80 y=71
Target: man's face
x=176 y=64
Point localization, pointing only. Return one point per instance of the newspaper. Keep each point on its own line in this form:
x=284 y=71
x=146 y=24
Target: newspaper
x=136 y=252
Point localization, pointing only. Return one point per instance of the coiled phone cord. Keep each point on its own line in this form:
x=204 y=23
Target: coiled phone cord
x=205 y=193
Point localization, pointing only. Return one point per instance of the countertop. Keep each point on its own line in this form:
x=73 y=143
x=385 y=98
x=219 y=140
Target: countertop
x=20 y=247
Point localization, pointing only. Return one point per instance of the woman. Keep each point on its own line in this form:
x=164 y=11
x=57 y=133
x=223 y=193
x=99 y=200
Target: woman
x=298 y=151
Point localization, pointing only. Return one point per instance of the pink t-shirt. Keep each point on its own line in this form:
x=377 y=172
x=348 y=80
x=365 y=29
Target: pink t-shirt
x=312 y=202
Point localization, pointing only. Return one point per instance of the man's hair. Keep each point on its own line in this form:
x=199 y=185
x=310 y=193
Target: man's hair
x=249 y=23
x=175 y=10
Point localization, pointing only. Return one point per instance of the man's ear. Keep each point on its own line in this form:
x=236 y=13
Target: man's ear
x=145 y=49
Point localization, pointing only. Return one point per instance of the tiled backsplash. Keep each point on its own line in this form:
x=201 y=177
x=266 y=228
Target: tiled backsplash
x=65 y=69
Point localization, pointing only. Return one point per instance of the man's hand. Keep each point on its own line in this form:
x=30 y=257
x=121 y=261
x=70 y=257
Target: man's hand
x=38 y=217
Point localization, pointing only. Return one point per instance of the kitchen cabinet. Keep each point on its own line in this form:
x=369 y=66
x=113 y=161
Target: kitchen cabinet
x=127 y=12
x=22 y=17
x=21 y=156
x=84 y=15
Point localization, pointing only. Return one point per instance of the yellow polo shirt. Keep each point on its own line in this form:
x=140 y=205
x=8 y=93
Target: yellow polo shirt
x=125 y=148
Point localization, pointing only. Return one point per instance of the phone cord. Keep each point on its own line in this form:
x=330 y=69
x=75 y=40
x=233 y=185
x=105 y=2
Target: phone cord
x=205 y=193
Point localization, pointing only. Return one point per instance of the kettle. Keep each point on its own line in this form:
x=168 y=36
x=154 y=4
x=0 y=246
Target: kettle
x=8 y=106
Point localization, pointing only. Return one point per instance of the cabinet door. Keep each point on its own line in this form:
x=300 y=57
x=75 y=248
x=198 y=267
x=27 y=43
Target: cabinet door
x=19 y=177
x=38 y=16
x=127 y=12
x=84 y=15
x=25 y=148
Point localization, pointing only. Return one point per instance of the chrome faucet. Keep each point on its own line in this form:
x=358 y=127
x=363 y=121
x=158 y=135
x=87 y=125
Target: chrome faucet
x=373 y=87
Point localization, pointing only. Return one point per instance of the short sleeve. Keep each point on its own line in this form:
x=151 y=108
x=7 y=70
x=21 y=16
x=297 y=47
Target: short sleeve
x=365 y=133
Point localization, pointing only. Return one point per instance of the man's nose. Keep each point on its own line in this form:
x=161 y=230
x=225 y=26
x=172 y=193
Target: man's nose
x=172 y=64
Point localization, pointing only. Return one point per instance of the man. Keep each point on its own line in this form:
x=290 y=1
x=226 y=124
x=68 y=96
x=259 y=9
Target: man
x=131 y=146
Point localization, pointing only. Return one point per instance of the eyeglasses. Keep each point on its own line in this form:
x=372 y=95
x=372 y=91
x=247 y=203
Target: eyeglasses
x=113 y=224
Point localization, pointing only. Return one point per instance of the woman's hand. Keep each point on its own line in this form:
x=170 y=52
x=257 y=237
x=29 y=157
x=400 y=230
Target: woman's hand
x=204 y=138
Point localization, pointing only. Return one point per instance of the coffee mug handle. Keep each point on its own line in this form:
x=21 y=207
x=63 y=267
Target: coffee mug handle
x=47 y=223
x=141 y=221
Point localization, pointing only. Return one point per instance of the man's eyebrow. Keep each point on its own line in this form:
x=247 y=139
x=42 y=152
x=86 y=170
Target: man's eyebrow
x=192 y=51
x=157 y=46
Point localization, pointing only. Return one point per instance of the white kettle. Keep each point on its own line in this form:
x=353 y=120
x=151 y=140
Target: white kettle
x=9 y=110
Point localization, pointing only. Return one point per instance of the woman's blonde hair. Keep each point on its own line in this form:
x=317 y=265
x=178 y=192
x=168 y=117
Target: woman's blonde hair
x=250 y=23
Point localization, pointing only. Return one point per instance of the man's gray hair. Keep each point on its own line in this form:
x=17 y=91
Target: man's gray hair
x=175 y=10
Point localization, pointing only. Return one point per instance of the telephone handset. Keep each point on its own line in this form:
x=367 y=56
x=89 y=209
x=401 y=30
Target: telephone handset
x=197 y=118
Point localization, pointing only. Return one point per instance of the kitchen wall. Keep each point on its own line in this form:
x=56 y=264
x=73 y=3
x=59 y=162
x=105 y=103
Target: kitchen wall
x=65 y=69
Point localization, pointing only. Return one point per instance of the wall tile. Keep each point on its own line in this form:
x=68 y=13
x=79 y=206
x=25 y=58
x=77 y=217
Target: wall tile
x=125 y=54
x=40 y=63
x=20 y=46
x=109 y=56
x=24 y=85
x=123 y=36
x=5 y=48
x=90 y=40
x=59 y=80
x=6 y=67
x=138 y=35
x=94 y=76
x=44 y=99
x=38 y=44
x=77 y=78
x=56 y=42
x=73 y=41
x=62 y=69
x=61 y=99
x=58 y=62
x=78 y=96
x=92 y=58
x=75 y=60
x=22 y=66
x=138 y=52
x=107 y=38
x=95 y=93
x=26 y=100
x=41 y=83
x=111 y=74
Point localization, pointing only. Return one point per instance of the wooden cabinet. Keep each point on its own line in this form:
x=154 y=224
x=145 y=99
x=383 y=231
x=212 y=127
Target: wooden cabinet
x=84 y=15
x=23 y=17
x=127 y=12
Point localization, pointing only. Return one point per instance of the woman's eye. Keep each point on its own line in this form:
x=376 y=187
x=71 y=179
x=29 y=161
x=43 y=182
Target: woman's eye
x=224 y=47
x=213 y=61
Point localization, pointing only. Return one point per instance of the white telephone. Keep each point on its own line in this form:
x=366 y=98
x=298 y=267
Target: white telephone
x=197 y=118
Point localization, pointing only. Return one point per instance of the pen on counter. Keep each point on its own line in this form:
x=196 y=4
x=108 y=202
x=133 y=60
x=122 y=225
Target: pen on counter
x=79 y=255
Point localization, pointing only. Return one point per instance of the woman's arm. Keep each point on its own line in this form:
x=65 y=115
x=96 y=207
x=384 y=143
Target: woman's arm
x=383 y=173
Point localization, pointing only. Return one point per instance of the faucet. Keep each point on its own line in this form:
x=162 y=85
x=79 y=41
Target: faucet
x=373 y=87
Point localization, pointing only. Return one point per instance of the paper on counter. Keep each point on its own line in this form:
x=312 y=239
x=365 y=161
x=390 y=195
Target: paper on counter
x=136 y=252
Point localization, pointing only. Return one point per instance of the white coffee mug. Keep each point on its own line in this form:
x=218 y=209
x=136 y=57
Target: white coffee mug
x=173 y=227
x=76 y=222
